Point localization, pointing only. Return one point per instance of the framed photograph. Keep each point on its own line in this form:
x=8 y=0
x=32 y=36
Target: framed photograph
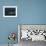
x=31 y=32
x=9 y=11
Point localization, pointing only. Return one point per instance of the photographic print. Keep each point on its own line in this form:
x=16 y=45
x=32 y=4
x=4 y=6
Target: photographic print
x=9 y=11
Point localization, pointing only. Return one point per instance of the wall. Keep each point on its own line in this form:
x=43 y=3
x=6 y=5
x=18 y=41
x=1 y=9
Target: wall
x=32 y=11
x=7 y=25
x=29 y=12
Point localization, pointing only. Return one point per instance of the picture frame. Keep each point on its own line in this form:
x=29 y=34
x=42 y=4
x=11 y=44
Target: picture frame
x=9 y=11
x=40 y=28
